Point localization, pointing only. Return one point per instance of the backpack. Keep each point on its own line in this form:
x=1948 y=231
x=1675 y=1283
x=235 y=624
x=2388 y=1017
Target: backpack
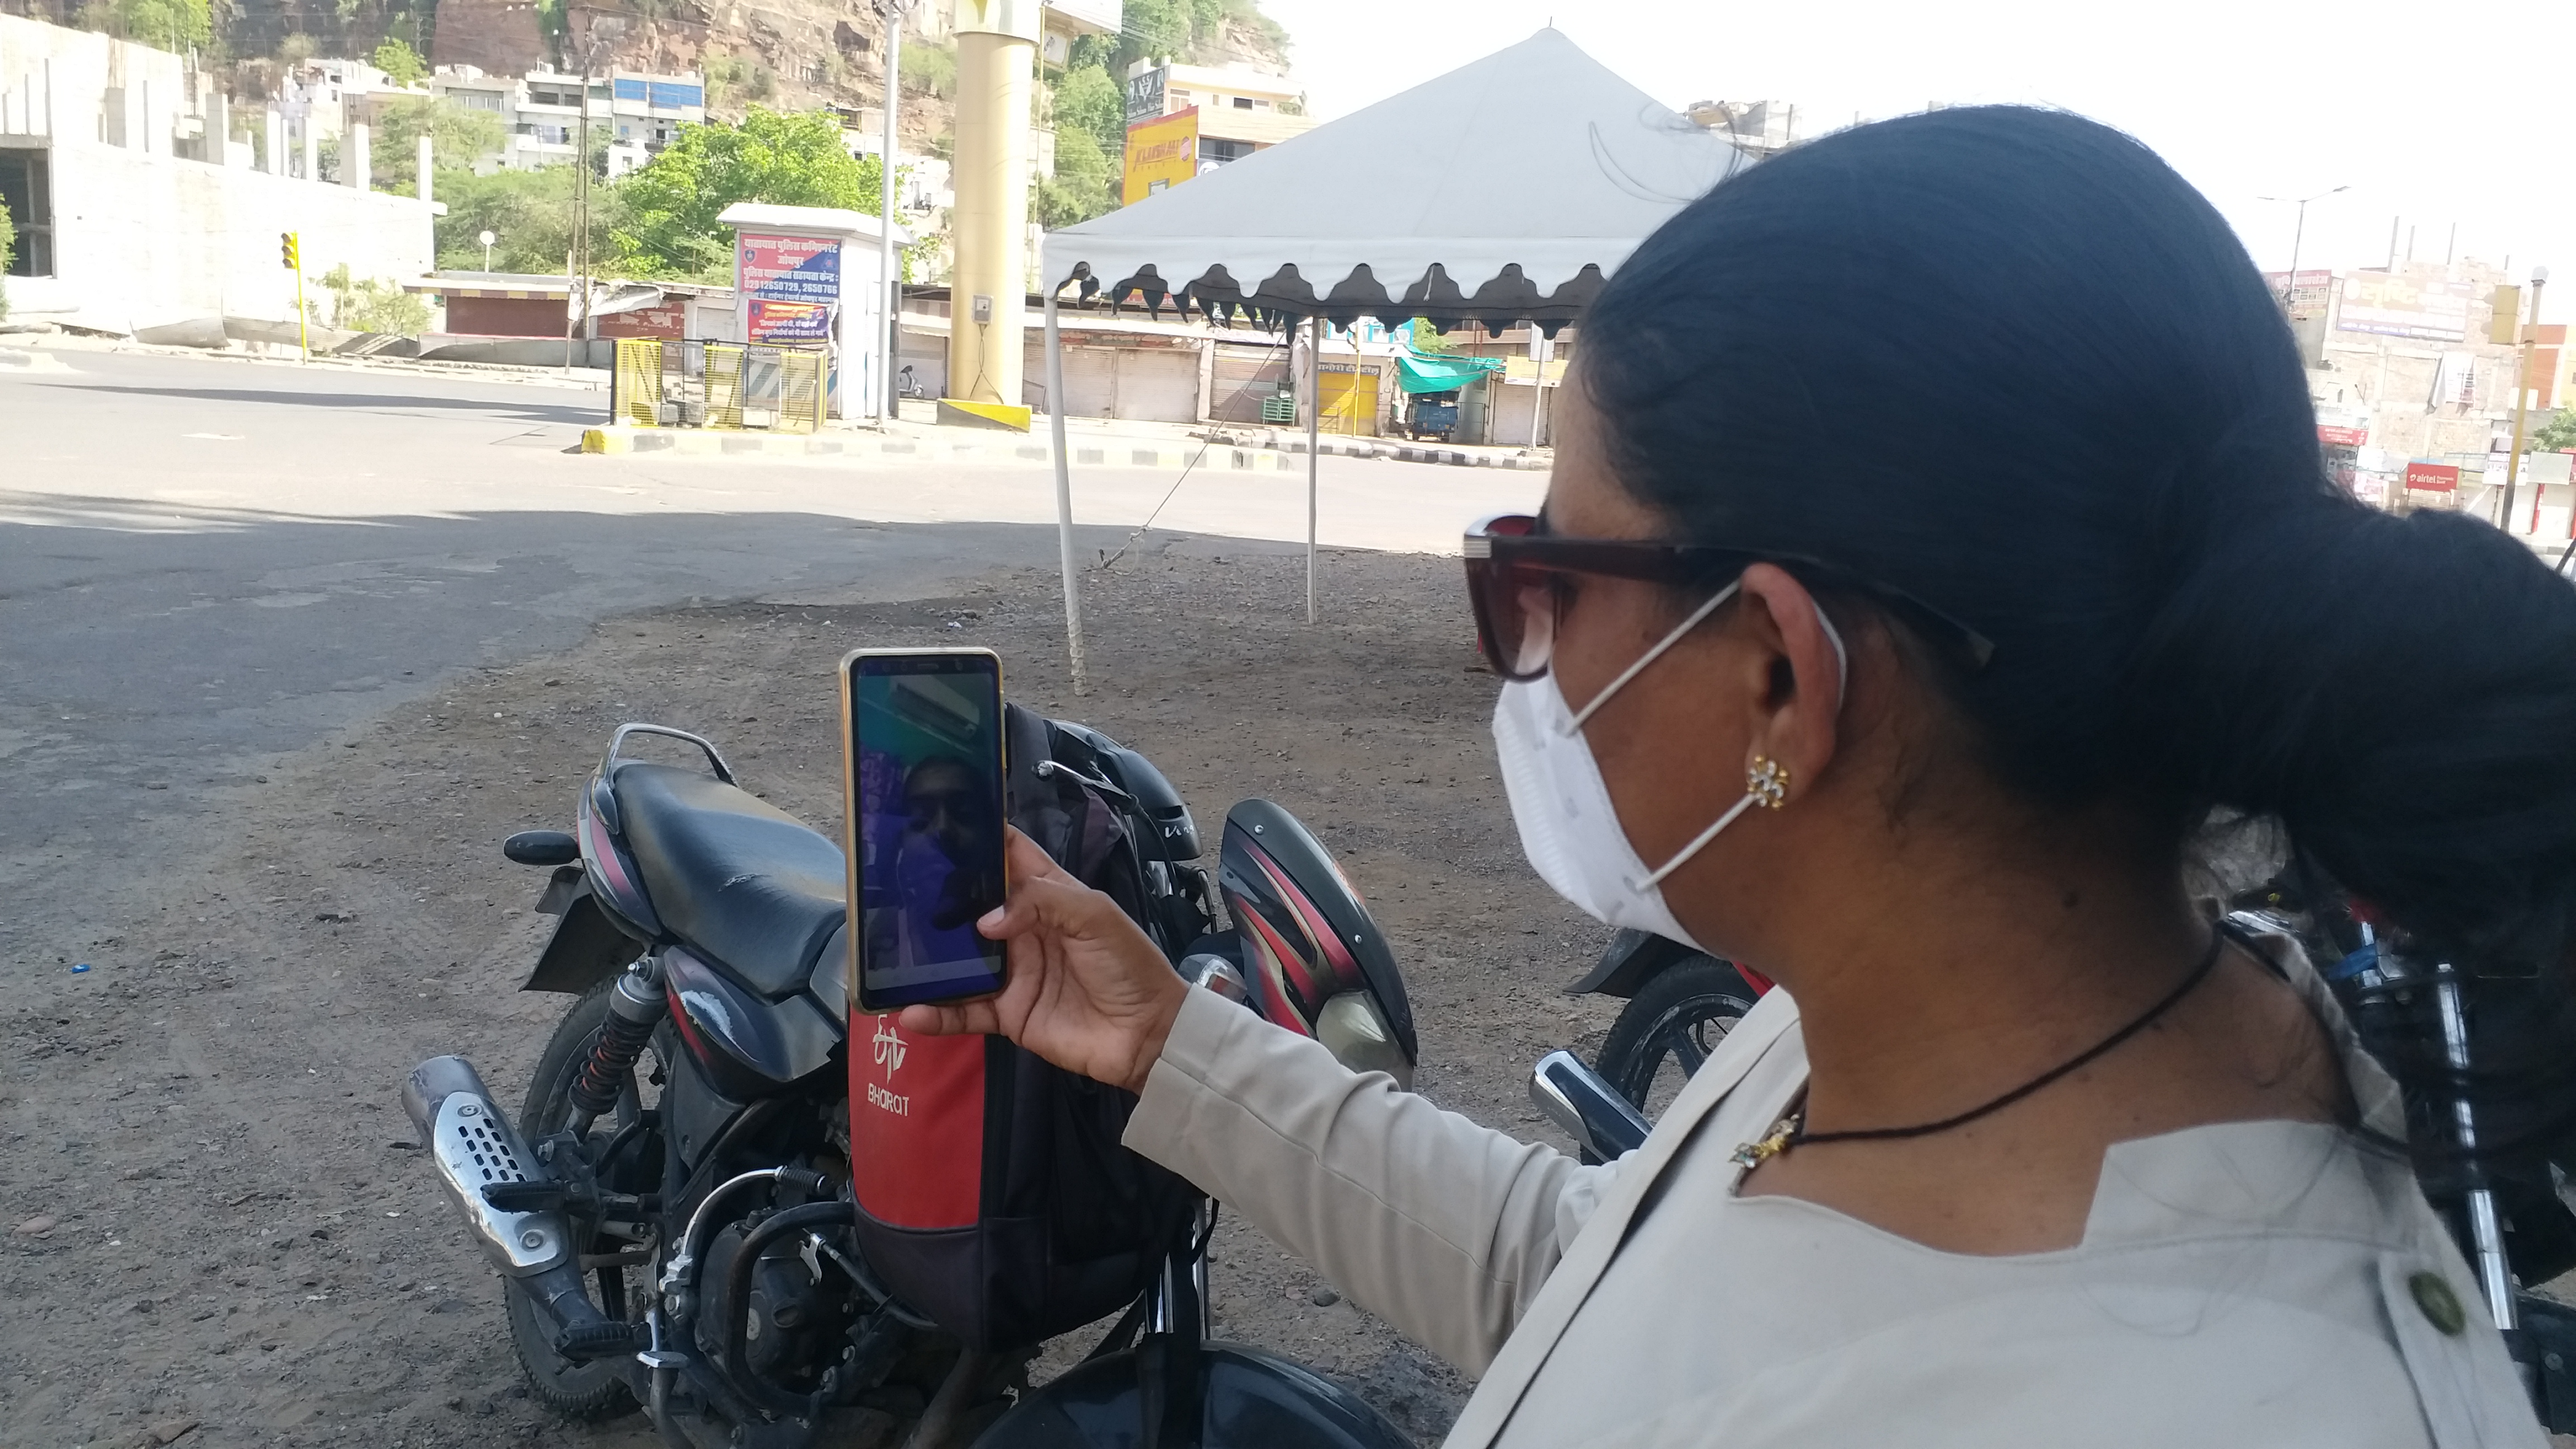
x=993 y=1195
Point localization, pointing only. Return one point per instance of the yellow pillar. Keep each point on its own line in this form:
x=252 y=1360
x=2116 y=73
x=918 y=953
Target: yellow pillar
x=991 y=176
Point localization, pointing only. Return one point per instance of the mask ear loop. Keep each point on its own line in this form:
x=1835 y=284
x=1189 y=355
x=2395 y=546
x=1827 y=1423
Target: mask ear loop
x=1704 y=837
x=1842 y=680
x=1651 y=655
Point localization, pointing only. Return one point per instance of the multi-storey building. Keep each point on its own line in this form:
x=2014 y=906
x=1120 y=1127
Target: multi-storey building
x=1182 y=119
x=633 y=114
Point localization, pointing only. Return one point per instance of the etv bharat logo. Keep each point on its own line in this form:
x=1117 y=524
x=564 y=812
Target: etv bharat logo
x=889 y=1055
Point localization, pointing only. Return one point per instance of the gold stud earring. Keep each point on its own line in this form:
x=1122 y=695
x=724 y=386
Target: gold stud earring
x=1767 y=782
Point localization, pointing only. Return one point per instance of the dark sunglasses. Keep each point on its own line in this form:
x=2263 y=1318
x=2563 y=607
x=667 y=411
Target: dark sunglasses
x=1518 y=576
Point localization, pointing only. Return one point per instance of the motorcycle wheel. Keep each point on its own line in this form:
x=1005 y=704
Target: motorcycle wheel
x=1669 y=1028
x=596 y=1390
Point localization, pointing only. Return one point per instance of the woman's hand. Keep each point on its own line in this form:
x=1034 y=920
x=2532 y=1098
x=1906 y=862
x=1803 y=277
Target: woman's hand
x=1088 y=991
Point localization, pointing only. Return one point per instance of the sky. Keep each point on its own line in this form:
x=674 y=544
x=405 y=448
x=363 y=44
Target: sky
x=2435 y=113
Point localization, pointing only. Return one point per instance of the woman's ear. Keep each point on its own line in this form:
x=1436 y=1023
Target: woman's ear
x=1796 y=720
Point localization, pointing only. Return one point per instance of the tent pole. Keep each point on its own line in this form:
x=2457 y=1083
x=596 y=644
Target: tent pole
x=1314 y=436
x=1064 y=492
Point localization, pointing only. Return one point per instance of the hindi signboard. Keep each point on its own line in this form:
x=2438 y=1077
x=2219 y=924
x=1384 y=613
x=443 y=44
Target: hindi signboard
x=774 y=321
x=2389 y=305
x=1162 y=151
x=2304 y=295
x=789 y=268
x=669 y=319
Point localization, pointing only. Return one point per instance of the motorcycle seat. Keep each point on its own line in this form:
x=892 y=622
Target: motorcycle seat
x=732 y=874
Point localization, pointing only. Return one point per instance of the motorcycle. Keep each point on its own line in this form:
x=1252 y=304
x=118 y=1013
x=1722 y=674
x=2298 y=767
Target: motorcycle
x=2515 y=1220
x=1681 y=1003
x=685 y=1218
x=2516 y=1225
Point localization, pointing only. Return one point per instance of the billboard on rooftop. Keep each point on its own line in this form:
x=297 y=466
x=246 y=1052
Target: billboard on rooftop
x=2389 y=305
x=1162 y=151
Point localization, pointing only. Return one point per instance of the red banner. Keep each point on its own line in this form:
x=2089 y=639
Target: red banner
x=2432 y=477
x=2342 y=437
x=668 y=320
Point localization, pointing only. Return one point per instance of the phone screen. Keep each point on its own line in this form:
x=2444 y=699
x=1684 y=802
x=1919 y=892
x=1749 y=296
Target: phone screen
x=925 y=772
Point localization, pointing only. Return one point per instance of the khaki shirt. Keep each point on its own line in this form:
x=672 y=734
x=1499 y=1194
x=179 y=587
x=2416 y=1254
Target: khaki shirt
x=2242 y=1283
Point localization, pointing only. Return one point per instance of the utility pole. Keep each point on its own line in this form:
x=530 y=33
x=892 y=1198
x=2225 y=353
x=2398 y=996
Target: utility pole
x=2290 y=288
x=2521 y=397
x=890 y=346
x=578 y=315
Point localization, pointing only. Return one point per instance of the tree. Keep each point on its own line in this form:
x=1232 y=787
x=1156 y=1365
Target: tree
x=459 y=136
x=176 y=25
x=930 y=68
x=1154 y=30
x=529 y=214
x=1186 y=30
x=668 y=207
x=1086 y=97
x=1090 y=132
x=372 y=305
x=731 y=78
x=1426 y=339
x=400 y=63
x=2558 y=435
x=1080 y=189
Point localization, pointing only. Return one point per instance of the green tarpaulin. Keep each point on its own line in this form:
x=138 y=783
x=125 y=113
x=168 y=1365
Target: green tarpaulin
x=1418 y=373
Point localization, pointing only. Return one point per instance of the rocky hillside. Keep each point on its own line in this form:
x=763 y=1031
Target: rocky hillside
x=784 y=54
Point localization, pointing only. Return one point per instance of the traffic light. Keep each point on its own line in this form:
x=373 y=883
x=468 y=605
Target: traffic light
x=286 y=252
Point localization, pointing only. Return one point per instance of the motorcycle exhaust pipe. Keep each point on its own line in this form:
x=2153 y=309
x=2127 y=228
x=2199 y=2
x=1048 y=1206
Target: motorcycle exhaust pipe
x=479 y=1156
x=473 y=1147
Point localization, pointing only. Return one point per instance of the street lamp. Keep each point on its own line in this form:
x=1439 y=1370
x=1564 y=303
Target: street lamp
x=487 y=251
x=2290 y=287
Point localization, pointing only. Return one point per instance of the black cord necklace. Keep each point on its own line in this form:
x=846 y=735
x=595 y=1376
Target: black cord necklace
x=1791 y=1131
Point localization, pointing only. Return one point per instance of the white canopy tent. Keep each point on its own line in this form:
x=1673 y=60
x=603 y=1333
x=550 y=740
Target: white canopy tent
x=1502 y=191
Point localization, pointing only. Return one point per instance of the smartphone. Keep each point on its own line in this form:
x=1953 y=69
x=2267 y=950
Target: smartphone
x=921 y=734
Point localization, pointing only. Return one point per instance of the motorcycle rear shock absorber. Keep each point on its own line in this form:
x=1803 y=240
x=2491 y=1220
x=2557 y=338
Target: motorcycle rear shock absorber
x=636 y=1006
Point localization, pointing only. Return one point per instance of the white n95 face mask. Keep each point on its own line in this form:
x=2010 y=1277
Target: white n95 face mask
x=1569 y=829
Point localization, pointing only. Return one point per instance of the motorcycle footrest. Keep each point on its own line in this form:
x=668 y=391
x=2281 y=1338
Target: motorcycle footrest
x=524 y=1197
x=587 y=1342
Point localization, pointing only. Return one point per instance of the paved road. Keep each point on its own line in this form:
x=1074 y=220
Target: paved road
x=206 y=561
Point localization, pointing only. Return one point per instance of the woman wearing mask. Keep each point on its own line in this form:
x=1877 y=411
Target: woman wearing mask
x=1937 y=536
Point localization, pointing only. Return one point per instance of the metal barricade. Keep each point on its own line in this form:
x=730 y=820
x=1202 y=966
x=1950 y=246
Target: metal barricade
x=723 y=386
x=691 y=383
x=635 y=384
x=801 y=389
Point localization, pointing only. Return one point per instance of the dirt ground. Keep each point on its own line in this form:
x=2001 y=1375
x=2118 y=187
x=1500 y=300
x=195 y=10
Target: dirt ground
x=212 y=1210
